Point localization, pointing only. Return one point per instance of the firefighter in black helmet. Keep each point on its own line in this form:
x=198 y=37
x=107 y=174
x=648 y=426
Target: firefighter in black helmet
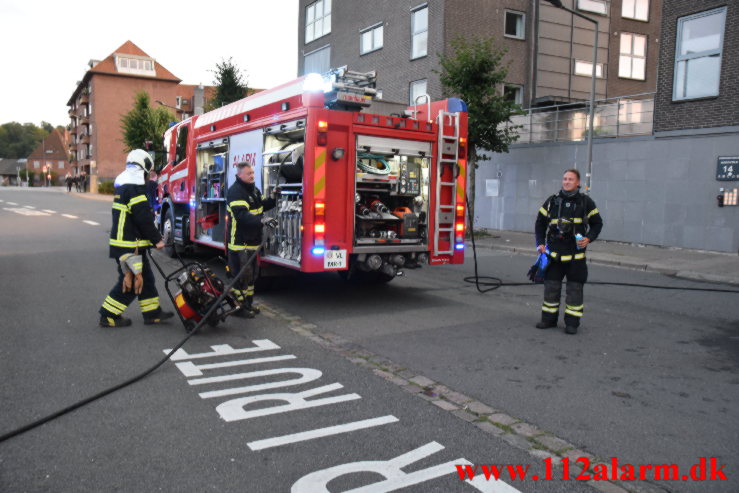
x=567 y=222
x=245 y=206
x=133 y=233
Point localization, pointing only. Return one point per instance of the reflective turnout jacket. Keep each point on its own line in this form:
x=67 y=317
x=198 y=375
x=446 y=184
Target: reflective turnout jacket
x=245 y=206
x=581 y=214
x=133 y=221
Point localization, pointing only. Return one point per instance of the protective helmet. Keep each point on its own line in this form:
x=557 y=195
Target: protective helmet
x=141 y=158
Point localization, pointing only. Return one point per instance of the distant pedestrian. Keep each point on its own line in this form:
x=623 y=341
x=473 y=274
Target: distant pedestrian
x=567 y=222
x=76 y=182
x=68 y=182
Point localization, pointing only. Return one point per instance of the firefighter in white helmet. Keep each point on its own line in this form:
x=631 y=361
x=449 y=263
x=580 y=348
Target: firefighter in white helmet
x=133 y=233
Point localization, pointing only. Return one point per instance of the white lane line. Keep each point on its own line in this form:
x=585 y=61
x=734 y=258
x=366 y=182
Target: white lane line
x=91 y=223
x=70 y=216
x=321 y=432
x=2 y=200
x=49 y=211
x=12 y=203
x=25 y=212
x=29 y=206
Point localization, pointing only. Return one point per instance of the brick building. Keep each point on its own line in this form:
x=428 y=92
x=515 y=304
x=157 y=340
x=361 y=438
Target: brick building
x=50 y=158
x=698 y=69
x=549 y=49
x=107 y=92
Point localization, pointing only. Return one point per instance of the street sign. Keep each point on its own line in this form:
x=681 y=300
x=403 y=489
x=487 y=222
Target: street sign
x=728 y=168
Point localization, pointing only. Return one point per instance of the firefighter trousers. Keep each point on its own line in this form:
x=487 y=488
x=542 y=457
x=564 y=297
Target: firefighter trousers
x=243 y=289
x=576 y=272
x=117 y=301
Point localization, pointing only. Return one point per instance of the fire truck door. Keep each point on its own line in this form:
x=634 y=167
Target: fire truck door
x=246 y=147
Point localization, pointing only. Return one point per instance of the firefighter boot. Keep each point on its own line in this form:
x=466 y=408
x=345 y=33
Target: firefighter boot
x=114 y=321
x=574 y=309
x=157 y=317
x=251 y=306
x=550 y=307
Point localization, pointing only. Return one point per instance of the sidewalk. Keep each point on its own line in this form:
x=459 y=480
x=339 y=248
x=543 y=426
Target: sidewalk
x=92 y=196
x=695 y=265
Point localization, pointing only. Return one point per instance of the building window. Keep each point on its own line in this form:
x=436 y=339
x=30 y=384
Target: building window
x=633 y=56
x=36 y=164
x=513 y=92
x=635 y=9
x=419 y=32
x=597 y=6
x=60 y=164
x=371 y=39
x=131 y=65
x=318 y=61
x=178 y=101
x=700 y=39
x=515 y=24
x=317 y=20
x=586 y=69
x=418 y=88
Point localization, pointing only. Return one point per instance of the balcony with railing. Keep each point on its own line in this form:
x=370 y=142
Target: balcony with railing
x=625 y=116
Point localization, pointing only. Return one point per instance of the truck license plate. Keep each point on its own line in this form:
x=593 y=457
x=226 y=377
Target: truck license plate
x=334 y=259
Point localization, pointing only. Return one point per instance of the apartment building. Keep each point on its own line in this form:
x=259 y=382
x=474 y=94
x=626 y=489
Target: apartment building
x=107 y=92
x=550 y=51
x=698 y=69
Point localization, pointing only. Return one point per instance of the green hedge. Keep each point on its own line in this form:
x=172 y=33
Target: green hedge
x=106 y=187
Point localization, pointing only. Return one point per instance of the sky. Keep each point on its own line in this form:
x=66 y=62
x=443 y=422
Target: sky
x=45 y=45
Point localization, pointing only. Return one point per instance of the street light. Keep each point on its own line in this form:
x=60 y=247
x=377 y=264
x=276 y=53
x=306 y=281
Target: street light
x=588 y=173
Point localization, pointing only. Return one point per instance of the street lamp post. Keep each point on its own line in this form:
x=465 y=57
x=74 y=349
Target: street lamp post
x=591 y=116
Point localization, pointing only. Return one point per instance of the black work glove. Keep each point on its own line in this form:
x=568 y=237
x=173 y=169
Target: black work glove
x=270 y=222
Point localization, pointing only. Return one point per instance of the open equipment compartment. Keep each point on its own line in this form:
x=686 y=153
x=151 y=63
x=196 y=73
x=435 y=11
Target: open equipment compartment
x=392 y=192
x=283 y=156
x=212 y=163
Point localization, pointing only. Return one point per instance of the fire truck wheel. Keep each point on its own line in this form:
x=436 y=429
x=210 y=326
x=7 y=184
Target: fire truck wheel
x=168 y=234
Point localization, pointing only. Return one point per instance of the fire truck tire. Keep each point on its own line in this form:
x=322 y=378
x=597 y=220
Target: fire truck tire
x=381 y=277
x=168 y=234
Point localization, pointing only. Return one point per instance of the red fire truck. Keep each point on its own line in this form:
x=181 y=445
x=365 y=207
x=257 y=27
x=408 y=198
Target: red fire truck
x=359 y=192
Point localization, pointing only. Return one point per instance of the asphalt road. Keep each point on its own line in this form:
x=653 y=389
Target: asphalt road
x=311 y=417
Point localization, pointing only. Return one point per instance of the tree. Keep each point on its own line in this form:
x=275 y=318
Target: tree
x=474 y=72
x=19 y=140
x=146 y=124
x=230 y=85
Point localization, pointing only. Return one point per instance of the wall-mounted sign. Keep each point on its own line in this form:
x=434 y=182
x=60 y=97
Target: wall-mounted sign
x=728 y=168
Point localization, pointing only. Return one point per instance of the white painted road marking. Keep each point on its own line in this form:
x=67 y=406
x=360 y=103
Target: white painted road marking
x=190 y=369
x=91 y=223
x=12 y=203
x=49 y=211
x=395 y=477
x=25 y=212
x=306 y=375
x=224 y=350
x=29 y=206
x=233 y=410
x=321 y=432
x=70 y=216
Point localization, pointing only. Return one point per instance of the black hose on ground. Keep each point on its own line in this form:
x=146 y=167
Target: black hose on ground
x=140 y=376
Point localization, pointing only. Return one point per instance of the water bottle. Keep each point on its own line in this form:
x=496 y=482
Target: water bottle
x=578 y=237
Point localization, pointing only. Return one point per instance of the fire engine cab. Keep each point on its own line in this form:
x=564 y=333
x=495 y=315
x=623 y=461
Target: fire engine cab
x=360 y=189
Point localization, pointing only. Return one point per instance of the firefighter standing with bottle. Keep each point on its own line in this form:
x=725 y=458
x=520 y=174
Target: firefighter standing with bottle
x=245 y=206
x=567 y=222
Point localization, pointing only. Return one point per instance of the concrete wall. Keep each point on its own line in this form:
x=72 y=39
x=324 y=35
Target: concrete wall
x=658 y=190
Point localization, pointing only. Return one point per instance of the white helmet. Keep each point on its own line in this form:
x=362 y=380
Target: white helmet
x=141 y=158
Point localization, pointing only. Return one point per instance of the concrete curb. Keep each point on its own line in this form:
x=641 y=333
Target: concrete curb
x=92 y=196
x=603 y=259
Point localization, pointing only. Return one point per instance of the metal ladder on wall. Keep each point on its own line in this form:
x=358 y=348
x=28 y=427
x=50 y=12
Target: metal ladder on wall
x=448 y=145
